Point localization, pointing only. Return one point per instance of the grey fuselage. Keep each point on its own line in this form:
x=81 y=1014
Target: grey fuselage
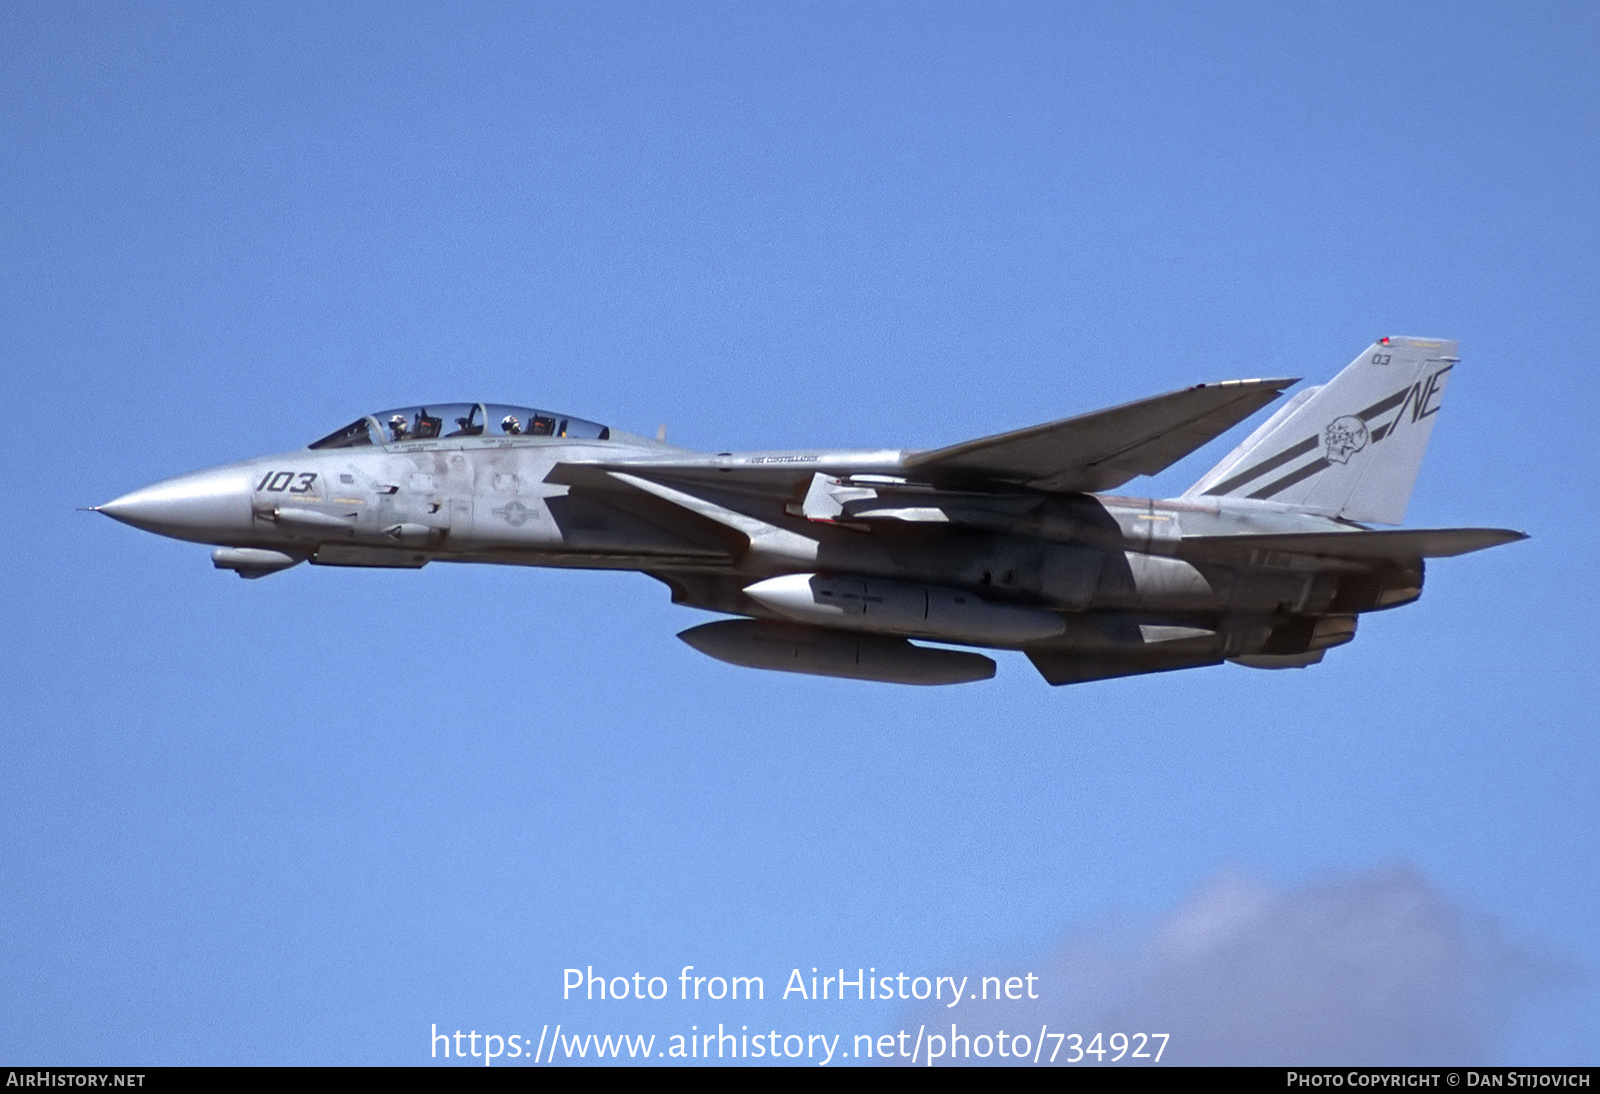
x=837 y=559
x=712 y=526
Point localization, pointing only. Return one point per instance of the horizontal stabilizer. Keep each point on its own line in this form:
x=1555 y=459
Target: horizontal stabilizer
x=1404 y=543
x=1103 y=450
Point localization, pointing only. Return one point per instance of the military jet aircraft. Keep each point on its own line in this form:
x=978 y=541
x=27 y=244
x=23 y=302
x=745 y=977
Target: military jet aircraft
x=835 y=560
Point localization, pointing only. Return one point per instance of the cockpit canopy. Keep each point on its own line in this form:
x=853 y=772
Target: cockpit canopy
x=445 y=421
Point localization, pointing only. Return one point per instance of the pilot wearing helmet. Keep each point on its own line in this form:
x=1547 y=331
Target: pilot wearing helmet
x=397 y=428
x=510 y=425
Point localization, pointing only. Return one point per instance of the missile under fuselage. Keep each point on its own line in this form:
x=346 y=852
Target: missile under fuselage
x=898 y=608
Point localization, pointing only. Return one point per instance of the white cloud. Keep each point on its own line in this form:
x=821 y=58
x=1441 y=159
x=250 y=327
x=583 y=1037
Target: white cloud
x=1372 y=968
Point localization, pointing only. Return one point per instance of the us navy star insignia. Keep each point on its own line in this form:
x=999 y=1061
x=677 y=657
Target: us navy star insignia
x=514 y=513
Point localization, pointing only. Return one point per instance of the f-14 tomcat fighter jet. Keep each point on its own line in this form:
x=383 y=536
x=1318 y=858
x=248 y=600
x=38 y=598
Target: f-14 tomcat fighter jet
x=835 y=560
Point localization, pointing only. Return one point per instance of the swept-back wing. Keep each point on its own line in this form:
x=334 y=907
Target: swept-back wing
x=1102 y=450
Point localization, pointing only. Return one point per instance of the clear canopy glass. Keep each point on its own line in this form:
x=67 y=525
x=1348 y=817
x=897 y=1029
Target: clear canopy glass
x=445 y=421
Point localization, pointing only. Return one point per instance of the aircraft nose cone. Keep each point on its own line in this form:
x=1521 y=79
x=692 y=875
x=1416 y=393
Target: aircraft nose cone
x=207 y=506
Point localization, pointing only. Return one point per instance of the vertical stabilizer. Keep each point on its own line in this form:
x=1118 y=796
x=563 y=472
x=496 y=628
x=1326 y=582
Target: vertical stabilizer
x=1352 y=448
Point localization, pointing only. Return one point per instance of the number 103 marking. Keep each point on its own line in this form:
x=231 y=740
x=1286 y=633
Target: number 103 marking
x=278 y=481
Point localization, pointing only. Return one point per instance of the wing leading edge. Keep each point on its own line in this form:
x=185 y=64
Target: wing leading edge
x=1091 y=452
x=1104 y=449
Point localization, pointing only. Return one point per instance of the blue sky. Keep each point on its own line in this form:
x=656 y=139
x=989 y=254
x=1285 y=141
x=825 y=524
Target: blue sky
x=306 y=819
